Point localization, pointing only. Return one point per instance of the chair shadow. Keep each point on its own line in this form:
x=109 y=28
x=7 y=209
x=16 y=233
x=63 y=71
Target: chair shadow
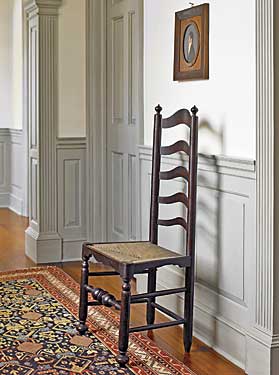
x=209 y=226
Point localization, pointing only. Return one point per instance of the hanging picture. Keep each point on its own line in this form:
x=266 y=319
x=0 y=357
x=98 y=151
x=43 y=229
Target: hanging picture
x=191 y=43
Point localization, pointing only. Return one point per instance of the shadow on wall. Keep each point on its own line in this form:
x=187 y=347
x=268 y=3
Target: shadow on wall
x=209 y=221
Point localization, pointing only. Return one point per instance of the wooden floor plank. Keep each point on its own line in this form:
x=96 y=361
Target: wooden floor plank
x=202 y=359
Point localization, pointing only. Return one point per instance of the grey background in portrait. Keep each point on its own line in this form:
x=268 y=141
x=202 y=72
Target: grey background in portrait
x=196 y=41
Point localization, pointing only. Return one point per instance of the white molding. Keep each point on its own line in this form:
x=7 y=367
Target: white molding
x=69 y=142
x=96 y=119
x=265 y=165
x=72 y=249
x=225 y=164
x=12 y=166
x=262 y=348
x=226 y=188
x=16 y=204
x=42 y=63
x=71 y=168
x=4 y=200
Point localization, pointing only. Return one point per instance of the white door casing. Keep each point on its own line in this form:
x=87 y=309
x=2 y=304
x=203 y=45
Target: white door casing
x=124 y=115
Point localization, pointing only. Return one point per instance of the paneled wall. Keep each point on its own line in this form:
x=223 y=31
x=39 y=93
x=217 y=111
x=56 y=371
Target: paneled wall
x=71 y=169
x=71 y=188
x=225 y=247
x=12 y=171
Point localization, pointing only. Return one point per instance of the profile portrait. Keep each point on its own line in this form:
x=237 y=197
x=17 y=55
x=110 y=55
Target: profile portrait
x=191 y=43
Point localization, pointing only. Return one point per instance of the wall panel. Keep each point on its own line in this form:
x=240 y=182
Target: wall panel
x=225 y=246
x=12 y=170
x=71 y=156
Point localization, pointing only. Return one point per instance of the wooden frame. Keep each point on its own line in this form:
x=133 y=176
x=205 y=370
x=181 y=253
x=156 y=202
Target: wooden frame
x=191 y=52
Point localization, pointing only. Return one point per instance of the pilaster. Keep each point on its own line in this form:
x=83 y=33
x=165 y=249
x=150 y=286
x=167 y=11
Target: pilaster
x=262 y=339
x=43 y=243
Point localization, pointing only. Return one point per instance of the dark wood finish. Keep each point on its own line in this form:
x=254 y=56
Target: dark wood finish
x=159 y=293
x=155 y=183
x=122 y=357
x=180 y=146
x=202 y=359
x=103 y=297
x=157 y=326
x=182 y=116
x=191 y=218
x=82 y=328
x=149 y=256
x=175 y=198
x=198 y=15
x=176 y=221
x=175 y=173
x=151 y=287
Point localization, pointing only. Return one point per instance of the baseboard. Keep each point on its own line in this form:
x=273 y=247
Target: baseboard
x=12 y=202
x=215 y=331
x=4 y=200
x=16 y=205
x=43 y=248
x=72 y=250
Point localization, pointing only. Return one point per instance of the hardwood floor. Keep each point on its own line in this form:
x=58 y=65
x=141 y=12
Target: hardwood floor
x=202 y=359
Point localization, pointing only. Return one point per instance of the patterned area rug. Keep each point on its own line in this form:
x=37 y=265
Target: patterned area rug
x=38 y=313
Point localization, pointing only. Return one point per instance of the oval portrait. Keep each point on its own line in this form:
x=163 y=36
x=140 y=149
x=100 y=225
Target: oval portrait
x=191 y=43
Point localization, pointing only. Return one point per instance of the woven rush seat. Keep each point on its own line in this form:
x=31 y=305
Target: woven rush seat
x=133 y=252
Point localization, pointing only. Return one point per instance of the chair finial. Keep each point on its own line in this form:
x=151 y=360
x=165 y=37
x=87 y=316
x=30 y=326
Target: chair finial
x=194 y=110
x=158 y=109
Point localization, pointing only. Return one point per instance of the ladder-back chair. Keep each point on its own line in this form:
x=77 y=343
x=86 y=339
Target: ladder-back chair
x=131 y=258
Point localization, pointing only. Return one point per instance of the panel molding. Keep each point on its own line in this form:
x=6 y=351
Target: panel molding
x=71 y=168
x=12 y=171
x=264 y=324
x=96 y=119
x=42 y=117
x=221 y=310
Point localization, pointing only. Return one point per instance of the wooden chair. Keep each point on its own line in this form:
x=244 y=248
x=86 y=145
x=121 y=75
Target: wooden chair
x=131 y=258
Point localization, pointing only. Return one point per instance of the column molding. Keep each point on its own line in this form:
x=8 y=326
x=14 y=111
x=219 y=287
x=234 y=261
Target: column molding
x=96 y=119
x=43 y=243
x=262 y=340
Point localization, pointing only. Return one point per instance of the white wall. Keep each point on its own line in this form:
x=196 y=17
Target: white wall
x=17 y=64
x=72 y=69
x=227 y=100
x=6 y=12
x=11 y=64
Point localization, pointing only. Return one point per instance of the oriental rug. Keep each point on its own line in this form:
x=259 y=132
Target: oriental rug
x=38 y=314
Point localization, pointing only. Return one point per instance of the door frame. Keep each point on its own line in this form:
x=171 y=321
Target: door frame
x=96 y=122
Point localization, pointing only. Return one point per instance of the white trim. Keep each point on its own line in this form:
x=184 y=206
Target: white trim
x=225 y=164
x=96 y=118
x=68 y=142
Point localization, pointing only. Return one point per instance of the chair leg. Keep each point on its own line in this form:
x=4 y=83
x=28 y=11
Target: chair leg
x=83 y=302
x=123 y=343
x=150 y=311
x=188 y=309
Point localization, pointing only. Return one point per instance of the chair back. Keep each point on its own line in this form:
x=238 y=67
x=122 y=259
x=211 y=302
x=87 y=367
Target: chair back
x=190 y=148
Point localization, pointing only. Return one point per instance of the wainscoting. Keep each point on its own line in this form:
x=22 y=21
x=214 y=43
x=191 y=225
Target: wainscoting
x=71 y=169
x=225 y=247
x=12 y=171
x=71 y=186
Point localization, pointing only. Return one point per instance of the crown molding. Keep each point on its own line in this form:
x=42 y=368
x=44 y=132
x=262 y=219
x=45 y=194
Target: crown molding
x=42 y=7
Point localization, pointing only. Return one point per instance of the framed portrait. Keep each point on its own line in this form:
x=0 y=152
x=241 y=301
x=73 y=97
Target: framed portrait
x=191 y=43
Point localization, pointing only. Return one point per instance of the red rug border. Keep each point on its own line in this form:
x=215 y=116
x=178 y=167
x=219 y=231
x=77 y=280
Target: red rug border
x=145 y=341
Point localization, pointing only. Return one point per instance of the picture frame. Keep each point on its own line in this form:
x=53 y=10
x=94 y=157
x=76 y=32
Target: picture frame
x=191 y=43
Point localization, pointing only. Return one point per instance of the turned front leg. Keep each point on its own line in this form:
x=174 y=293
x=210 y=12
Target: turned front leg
x=123 y=342
x=83 y=302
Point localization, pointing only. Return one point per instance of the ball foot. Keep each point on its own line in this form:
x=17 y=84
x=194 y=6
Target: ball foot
x=122 y=359
x=81 y=328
